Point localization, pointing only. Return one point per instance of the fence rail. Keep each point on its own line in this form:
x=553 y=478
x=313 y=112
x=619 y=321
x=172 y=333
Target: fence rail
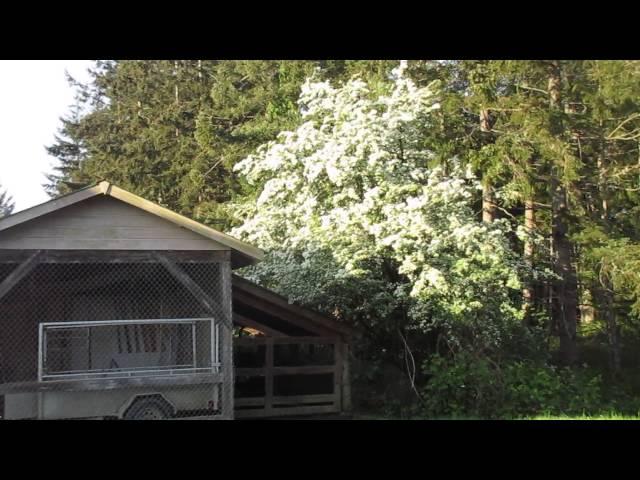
x=279 y=405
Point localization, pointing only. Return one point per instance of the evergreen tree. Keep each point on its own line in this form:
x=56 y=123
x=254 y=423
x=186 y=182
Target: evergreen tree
x=172 y=130
x=6 y=203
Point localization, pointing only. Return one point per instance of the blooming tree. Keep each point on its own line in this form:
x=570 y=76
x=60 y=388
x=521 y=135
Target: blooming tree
x=358 y=222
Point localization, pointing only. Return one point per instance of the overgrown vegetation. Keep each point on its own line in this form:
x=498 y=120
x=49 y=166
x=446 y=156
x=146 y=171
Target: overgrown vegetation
x=476 y=221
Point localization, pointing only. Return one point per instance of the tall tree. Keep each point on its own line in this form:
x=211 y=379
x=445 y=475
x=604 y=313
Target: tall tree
x=607 y=133
x=6 y=203
x=172 y=130
x=565 y=291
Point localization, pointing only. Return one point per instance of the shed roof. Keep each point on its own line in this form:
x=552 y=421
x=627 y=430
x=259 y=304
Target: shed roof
x=265 y=300
x=242 y=253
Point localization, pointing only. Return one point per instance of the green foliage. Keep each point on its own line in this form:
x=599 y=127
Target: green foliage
x=172 y=130
x=469 y=385
x=359 y=225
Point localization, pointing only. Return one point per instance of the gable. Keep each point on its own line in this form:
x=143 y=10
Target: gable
x=103 y=223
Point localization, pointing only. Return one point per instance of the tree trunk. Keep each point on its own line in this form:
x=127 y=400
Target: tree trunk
x=488 y=203
x=528 y=298
x=488 y=196
x=565 y=291
x=606 y=303
x=608 y=314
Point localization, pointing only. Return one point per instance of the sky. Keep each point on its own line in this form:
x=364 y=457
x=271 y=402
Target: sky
x=34 y=94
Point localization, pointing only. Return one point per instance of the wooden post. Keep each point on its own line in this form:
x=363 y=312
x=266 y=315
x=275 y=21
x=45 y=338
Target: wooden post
x=226 y=339
x=268 y=377
x=346 y=380
x=337 y=373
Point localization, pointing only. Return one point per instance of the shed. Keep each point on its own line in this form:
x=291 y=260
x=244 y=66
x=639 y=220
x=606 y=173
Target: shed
x=113 y=306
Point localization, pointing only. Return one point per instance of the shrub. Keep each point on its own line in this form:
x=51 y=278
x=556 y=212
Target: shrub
x=470 y=386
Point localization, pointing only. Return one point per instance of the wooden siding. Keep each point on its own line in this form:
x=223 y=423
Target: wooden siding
x=103 y=223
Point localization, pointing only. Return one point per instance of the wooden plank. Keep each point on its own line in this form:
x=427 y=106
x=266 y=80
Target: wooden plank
x=250 y=253
x=286 y=400
x=12 y=255
x=48 y=207
x=302 y=399
x=249 y=402
x=15 y=242
x=308 y=369
x=247 y=322
x=105 y=217
x=21 y=271
x=215 y=309
x=113 y=232
x=302 y=370
x=243 y=253
x=131 y=256
x=286 y=340
x=110 y=384
x=287 y=411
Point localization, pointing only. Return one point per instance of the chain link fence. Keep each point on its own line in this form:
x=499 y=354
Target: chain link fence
x=115 y=337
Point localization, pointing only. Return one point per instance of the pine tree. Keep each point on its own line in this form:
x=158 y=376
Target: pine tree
x=172 y=130
x=6 y=203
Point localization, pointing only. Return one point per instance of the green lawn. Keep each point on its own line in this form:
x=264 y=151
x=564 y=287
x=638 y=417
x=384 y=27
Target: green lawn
x=607 y=416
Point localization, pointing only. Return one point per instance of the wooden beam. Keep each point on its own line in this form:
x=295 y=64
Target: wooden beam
x=192 y=287
x=287 y=340
x=247 y=322
x=280 y=312
x=302 y=370
x=304 y=399
x=21 y=271
x=133 y=256
x=242 y=284
x=249 y=402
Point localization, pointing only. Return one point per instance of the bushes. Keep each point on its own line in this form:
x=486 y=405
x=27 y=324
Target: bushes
x=471 y=386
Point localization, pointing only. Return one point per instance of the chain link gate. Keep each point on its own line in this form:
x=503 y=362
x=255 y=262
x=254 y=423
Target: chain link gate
x=119 y=334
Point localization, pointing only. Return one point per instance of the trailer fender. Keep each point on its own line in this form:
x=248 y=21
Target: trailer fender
x=134 y=398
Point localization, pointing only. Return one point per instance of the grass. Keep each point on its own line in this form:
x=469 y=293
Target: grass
x=606 y=416
x=603 y=416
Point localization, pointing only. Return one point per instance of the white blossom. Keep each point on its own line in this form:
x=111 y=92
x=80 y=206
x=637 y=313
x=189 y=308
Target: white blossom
x=339 y=189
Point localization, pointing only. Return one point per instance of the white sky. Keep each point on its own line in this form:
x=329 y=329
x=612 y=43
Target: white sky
x=33 y=96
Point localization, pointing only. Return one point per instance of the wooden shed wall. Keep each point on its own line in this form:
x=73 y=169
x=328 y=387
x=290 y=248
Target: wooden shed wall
x=103 y=223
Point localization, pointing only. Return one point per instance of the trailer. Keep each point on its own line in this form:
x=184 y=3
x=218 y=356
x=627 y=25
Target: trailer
x=114 y=307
